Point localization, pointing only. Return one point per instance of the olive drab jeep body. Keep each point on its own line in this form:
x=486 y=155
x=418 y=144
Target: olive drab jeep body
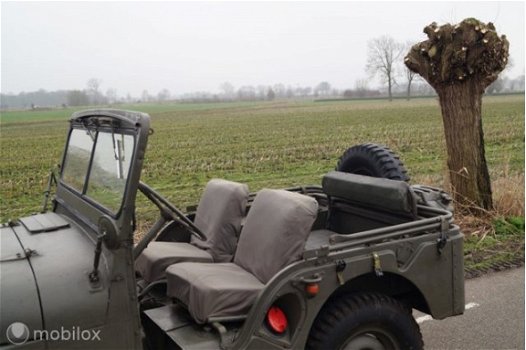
x=336 y=265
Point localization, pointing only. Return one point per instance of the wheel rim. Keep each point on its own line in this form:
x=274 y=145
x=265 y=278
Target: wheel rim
x=371 y=339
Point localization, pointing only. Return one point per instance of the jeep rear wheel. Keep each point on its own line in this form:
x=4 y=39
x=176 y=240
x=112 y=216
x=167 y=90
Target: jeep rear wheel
x=372 y=160
x=365 y=321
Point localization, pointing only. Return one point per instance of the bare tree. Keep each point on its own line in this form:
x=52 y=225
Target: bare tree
x=270 y=94
x=77 y=98
x=460 y=62
x=261 y=92
x=517 y=84
x=302 y=91
x=323 y=88
x=498 y=85
x=227 y=89
x=93 y=86
x=145 y=96
x=409 y=75
x=298 y=91
x=111 y=95
x=382 y=54
x=279 y=90
x=289 y=92
x=361 y=86
x=163 y=95
x=247 y=93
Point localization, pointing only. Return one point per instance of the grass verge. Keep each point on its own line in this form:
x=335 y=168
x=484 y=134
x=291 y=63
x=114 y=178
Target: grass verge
x=497 y=248
x=495 y=241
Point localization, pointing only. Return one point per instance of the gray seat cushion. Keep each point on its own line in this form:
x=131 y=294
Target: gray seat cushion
x=154 y=260
x=219 y=214
x=212 y=290
x=274 y=236
x=275 y=232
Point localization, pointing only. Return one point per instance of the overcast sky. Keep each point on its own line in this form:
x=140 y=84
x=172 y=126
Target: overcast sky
x=196 y=46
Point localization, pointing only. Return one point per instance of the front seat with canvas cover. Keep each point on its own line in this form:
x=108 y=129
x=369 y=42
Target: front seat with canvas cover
x=273 y=237
x=219 y=214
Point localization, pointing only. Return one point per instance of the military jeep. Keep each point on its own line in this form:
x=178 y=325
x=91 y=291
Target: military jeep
x=337 y=265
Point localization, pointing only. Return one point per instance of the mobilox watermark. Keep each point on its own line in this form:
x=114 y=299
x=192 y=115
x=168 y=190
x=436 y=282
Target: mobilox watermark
x=18 y=333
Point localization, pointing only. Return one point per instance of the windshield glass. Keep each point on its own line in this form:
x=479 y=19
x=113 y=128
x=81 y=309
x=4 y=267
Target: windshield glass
x=110 y=153
x=77 y=158
x=109 y=170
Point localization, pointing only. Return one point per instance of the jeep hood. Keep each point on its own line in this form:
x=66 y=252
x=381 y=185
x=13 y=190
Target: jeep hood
x=44 y=266
x=19 y=296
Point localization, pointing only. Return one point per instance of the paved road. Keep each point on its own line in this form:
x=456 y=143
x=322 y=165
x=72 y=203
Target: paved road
x=494 y=316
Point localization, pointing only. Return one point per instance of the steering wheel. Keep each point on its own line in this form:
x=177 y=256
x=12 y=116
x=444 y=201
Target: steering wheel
x=168 y=213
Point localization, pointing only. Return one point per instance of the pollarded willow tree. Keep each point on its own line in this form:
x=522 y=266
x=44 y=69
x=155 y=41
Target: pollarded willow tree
x=460 y=62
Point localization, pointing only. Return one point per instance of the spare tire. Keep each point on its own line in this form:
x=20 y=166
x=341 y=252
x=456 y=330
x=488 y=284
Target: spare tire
x=372 y=160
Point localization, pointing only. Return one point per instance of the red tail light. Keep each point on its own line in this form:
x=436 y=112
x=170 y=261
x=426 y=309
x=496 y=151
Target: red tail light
x=277 y=320
x=312 y=289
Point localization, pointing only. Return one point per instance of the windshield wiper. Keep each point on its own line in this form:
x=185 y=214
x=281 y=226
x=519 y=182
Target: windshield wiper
x=117 y=152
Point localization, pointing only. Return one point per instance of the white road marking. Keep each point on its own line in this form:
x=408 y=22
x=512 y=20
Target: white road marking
x=471 y=305
x=425 y=318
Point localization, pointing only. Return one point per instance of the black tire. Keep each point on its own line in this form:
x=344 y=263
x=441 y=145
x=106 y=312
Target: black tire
x=365 y=321
x=372 y=160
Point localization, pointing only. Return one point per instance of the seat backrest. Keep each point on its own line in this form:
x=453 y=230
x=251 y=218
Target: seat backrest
x=219 y=214
x=361 y=203
x=391 y=196
x=275 y=232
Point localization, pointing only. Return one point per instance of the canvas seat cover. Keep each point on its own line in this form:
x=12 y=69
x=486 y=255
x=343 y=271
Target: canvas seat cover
x=212 y=290
x=274 y=236
x=154 y=260
x=219 y=214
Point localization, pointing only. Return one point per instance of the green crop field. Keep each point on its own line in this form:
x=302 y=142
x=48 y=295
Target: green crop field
x=264 y=144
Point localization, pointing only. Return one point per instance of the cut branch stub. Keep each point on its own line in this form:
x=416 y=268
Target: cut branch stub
x=455 y=54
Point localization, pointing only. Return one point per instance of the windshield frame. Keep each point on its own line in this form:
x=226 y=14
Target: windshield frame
x=86 y=212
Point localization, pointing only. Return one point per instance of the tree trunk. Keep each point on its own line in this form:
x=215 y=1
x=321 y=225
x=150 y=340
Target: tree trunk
x=461 y=114
x=409 y=90
x=389 y=89
x=460 y=61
